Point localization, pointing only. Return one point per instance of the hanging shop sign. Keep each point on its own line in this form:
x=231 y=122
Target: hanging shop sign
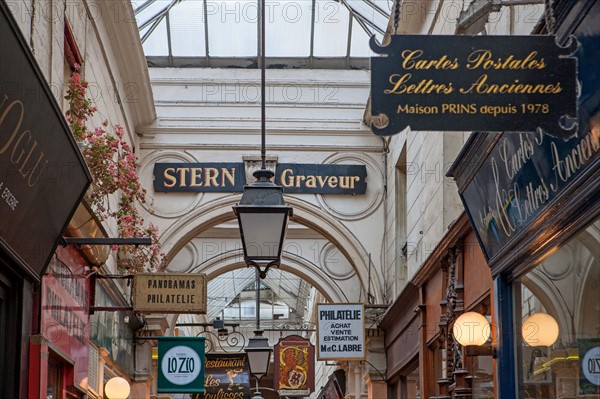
x=230 y=178
x=180 y=365
x=227 y=376
x=294 y=366
x=340 y=331
x=461 y=83
x=589 y=372
x=64 y=314
x=42 y=173
x=321 y=178
x=199 y=177
x=522 y=174
x=169 y=293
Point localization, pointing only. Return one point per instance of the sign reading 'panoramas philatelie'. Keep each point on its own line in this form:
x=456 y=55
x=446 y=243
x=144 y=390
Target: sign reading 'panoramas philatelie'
x=455 y=83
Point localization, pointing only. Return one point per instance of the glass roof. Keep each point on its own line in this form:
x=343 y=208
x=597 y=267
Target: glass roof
x=224 y=33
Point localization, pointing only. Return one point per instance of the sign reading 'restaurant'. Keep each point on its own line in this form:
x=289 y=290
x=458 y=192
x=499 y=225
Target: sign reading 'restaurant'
x=455 y=83
x=230 y=178
x=340 y=331
x=169 y=293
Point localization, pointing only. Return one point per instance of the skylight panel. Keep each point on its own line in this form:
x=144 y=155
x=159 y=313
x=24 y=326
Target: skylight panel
x=331 y=29
x=187 y=23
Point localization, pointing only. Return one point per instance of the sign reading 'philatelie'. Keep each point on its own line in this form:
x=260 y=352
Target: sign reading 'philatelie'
x=340 y=331
x=169 y=293
x=455 y=83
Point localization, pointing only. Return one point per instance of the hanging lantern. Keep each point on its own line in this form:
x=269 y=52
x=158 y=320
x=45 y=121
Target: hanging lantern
x=117 y=388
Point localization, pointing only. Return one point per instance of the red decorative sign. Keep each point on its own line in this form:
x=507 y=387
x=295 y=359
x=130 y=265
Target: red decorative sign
x=65 y=305
x=294 y=366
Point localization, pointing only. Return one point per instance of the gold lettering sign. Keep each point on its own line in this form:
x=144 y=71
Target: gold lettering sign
x=169 y=293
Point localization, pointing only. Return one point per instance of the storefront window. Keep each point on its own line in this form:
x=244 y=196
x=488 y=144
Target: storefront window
x=558 y=312
x=54 y=377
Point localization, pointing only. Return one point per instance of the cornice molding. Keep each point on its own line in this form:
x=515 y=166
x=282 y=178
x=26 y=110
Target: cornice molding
x=117 y=16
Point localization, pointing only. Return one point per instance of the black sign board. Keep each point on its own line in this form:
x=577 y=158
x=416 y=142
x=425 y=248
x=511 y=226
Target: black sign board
x=321 y=178
x=226 y=376
x=199 y=177
x=522 y=174
x=230 y=178
x=462 y=83
x=42 y=173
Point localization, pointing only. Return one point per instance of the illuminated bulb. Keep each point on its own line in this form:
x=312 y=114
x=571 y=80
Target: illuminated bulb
x=117 y=388
x=471 y=328
x=540 y=329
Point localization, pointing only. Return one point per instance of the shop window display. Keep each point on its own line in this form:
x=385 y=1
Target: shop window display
x=558 y=315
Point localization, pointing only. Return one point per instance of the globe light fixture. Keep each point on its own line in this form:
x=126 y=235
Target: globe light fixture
x=117 y=388
x=540 y=329
x=471 y=328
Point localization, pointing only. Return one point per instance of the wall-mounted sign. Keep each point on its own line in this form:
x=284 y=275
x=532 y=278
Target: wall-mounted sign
x=227 y=376
x=199 y=177
x=180 y=365
x=522 y=174
x=230 y=178
x=490 y=83
x=321 y=178
x=340 y=331
x=42 y=173
x=294 y=366
x=169 y=293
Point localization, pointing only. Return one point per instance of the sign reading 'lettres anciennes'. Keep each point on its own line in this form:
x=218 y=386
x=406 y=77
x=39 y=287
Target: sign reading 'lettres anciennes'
x=169 y=293
x=493 y=83
x=229 y=177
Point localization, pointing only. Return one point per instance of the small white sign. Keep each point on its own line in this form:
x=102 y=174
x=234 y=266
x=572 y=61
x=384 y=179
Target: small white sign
x=340 y=331
x=181 y=365
x=591 y=365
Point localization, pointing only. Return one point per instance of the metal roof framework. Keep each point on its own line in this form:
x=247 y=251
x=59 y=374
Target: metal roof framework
x=329 y=34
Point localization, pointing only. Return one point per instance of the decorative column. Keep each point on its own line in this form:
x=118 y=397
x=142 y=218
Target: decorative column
x=376 y=364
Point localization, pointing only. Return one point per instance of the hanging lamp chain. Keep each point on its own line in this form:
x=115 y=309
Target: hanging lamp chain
x=549 y=16
x=396 y=16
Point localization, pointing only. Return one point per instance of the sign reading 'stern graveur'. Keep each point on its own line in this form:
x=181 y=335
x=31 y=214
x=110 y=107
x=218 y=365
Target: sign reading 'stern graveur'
x=456 y=83
x=169 y=293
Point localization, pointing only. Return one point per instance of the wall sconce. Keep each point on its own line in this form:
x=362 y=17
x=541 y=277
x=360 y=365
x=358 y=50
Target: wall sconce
x=117 y=388
x=540 y=329
x=471 y=328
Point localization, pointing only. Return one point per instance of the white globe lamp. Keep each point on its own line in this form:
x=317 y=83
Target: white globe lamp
x=540 y=329
x=117 y=388
x=471 y=328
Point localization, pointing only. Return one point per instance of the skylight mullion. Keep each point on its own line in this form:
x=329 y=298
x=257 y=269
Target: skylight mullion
x=349 y=44
x=377 y=8
x=169 y=36
x=312 y=31
x=143 y=6
x=206 y=31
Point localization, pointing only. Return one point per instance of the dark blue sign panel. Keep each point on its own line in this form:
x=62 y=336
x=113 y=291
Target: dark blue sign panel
x=180 y=365
x=230 y=178
x=521 y=175
x=461 y=83
x=199 y=177
x=321 y=178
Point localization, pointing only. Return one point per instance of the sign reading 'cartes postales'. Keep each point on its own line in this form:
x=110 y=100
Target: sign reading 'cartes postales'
x=169 y=293
x=230 y=178
x=456 y=83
